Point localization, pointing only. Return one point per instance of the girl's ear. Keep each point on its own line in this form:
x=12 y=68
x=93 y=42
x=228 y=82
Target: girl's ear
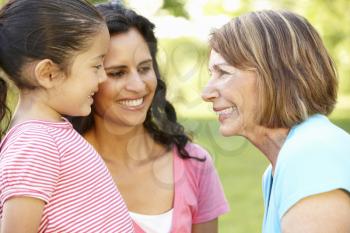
x=46 y=73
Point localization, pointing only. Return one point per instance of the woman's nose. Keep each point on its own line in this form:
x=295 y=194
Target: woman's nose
x=209 y=92
x=135 y=83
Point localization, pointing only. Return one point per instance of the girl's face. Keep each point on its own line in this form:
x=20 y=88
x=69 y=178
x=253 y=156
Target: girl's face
x=74 y=94
x=126 y=96
x=233 y=93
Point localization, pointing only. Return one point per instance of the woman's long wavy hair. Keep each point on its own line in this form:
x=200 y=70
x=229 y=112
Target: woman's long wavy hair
x=161 y=121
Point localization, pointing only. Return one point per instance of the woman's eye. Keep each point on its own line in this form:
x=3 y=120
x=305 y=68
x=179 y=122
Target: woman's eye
x=144 y=69
x=219 y=73
x=223 y=72
x=116 y=74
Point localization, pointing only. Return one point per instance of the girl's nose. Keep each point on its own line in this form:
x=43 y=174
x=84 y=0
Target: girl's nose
x=102 y=77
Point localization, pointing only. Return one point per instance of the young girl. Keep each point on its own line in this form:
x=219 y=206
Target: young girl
x=51 y=179
x=168 y=183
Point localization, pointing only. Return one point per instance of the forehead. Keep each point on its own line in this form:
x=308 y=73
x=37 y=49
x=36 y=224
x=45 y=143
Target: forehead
x=216 y=59
x=127 y=45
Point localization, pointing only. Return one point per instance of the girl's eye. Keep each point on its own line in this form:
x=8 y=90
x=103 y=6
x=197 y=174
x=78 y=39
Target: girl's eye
x=116 y=74
x=98 y=67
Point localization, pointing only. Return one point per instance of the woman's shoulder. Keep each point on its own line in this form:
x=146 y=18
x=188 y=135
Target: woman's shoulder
x=200 y=162
x=197 y=151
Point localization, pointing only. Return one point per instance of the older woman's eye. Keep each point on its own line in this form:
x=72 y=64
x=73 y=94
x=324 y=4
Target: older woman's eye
x=210 y=72
x=222 y=73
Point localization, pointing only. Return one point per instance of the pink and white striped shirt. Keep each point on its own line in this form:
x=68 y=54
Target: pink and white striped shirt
x=52 y=162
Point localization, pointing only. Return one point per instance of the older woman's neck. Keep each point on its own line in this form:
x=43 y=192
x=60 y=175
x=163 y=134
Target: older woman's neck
x=269 y=142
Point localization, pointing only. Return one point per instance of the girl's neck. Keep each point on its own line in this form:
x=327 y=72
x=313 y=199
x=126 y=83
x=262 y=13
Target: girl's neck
x=32 y=106
x=269 y=142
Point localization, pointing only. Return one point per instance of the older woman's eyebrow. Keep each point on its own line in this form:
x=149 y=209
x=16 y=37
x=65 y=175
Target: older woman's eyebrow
x=223 y=67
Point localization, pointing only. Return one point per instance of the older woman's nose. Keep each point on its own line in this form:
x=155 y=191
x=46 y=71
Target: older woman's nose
x=209 y=92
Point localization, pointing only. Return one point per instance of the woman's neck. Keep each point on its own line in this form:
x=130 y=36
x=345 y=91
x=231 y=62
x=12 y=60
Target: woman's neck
x=115 y=143
x=269 y=142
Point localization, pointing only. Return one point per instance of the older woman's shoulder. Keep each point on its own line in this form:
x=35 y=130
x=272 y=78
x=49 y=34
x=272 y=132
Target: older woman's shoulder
x=316 y=133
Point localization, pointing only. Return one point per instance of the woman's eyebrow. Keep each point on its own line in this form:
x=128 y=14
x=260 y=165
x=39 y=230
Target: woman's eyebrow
x=112 y=67
x=146 y=62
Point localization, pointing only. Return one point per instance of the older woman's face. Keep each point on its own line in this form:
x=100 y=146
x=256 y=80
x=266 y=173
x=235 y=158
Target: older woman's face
x=233 y=93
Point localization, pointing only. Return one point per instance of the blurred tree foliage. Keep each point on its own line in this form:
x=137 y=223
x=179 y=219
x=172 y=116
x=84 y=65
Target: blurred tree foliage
x=330 y=17
x=175 y=7
x=172 y=7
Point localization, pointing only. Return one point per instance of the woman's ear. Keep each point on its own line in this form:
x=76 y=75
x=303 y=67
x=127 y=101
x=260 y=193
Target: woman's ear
x=46 y=73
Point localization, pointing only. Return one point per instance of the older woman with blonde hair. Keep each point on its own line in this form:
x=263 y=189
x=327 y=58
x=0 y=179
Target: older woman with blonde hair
x=274 y=83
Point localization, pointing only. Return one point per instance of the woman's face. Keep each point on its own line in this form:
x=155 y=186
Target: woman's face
x=233 y=93
x=126 y=96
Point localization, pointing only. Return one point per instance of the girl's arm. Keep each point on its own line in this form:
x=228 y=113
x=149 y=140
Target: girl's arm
x=322 y=213
x=21 y=214
x=206 y=227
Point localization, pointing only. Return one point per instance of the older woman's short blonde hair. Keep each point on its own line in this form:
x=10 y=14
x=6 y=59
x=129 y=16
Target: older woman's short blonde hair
x=296 y=76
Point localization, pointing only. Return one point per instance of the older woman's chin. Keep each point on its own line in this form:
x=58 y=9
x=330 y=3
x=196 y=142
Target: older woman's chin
x=228 y=131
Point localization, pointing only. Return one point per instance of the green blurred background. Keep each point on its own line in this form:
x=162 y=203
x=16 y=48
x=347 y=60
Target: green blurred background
x=182 y=27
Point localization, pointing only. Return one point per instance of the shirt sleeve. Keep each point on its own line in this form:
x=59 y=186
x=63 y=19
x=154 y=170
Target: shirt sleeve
x=309 y=170
x=29 y=166
x=211 y=198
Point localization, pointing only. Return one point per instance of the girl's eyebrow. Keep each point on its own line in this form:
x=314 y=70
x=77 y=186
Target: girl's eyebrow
x=99 y=57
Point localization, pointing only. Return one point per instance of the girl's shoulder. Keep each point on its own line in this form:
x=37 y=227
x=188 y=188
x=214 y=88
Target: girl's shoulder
x=31 y=131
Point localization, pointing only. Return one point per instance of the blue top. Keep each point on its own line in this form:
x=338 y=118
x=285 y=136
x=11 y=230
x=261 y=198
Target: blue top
x=315 y=158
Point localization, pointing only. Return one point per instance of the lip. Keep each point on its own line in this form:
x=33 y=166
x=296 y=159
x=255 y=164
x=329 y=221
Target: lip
x=219 y=109
x=133 y=108
x=223 y=116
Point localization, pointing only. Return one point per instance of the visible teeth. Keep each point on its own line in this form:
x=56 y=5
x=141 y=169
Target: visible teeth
x=132 y=103
x=226 y=111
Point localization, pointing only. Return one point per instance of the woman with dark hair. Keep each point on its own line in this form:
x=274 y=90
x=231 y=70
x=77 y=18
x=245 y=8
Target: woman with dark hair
x=274 y=83
x=168 y=183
